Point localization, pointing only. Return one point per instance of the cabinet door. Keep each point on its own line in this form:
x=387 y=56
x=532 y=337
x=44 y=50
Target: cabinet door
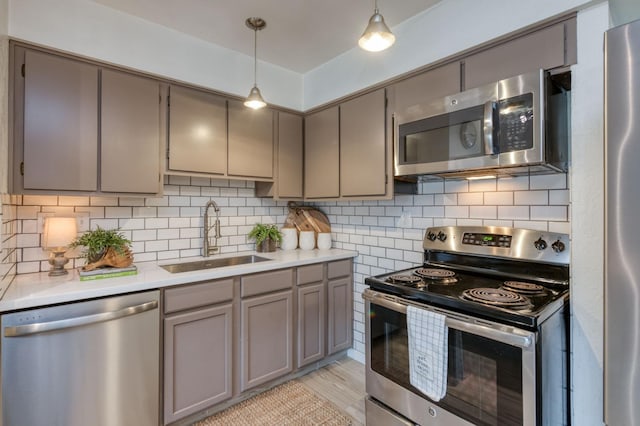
x=250 y=141
x=363 y=151
x=197 y=361
x=422 y=88
x=289 y=155
x=322 y=155
x=60 y=123
x=311 y=323
x=542 y=49
x=267 y=338
x=130 y=134
x=340 y=312
x=197 y=132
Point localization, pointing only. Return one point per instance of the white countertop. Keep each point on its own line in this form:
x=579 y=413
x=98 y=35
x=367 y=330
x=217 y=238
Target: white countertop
x=33 y=290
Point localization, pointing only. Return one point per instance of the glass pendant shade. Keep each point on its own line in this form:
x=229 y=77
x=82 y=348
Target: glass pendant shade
x=254 y=100
x=377 y=36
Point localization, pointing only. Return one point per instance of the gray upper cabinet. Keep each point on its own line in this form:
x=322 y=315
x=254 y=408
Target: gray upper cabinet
x=322 y=154
x=363 y=152
x=130 y=134
x=289 y=177
x=422 y=88
x=57 y=120
x=197 y=132
x=65 y=109
x=250 y=144
x=547 y=48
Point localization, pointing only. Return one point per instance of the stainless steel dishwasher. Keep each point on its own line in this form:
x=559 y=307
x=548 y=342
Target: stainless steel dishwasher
x=93 y=362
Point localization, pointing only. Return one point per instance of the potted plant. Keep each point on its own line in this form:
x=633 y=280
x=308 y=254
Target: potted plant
x=266 y=236
x=104 y=247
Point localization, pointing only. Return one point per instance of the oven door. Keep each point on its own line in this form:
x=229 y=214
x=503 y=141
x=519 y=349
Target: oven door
x=491 y=368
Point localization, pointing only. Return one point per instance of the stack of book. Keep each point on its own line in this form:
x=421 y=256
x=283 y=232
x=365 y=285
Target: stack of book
x=100 y=273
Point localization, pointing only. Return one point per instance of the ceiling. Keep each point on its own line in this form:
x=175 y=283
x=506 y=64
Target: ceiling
x=300 y=34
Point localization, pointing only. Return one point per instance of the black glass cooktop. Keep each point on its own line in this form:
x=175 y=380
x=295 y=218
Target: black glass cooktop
x=518 y=302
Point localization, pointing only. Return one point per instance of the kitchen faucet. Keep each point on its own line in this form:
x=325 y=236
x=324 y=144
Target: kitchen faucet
x=208 y=250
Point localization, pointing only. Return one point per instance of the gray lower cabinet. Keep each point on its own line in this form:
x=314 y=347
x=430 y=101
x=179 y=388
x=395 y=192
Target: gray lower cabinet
x=267 y=338
x=198 y=342
x=266 y=327
x=311 y=316
x=340 y=306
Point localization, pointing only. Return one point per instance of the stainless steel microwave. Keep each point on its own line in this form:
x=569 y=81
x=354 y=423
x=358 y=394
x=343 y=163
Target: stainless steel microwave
x=515 y=124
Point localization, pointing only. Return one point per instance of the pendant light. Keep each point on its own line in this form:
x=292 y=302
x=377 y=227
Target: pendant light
x=377 y=36
x=254 y=100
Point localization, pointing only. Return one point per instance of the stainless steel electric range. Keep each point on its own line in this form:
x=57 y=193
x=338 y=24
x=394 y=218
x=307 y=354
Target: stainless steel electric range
x=504 y=293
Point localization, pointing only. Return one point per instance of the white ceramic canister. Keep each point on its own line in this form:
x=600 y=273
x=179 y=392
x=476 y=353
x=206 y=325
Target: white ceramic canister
x=289 y=239
x=324 y=240
x=307 y=240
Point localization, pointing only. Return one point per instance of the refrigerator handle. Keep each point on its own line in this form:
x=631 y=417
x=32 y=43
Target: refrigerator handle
x=43 y=327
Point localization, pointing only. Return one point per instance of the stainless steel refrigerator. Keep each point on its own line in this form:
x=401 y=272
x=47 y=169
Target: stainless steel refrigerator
x=622 y=226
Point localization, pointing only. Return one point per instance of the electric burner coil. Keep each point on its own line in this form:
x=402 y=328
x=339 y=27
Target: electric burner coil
x=496 y=297
x=437 y=276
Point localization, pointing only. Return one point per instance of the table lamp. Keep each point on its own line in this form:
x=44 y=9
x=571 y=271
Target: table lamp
x=58 y=233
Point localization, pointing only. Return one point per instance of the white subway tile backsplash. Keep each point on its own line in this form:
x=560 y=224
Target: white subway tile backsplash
x=117 y=212
x=445 y=199
x=553 y=181
x=513 y=212
x=518 y=183
x=498 y=198
x=559 y=197
x=482 y=185
x=456 y=211
x=531 y=197
x=549 y=213
x=456 y=186
x=471 y=198
x=483 y=212
x=530 y=224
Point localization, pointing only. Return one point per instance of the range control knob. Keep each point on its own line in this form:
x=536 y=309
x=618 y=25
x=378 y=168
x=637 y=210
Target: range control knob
x=431 y=236
x=442 y=236
x=557 y=246
x=540 y=244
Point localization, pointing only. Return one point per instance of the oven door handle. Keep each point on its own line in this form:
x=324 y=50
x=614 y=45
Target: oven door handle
x=514 y=337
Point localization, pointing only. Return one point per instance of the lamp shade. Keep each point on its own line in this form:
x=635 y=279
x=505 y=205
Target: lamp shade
x=377 y=36
x=255 y=100
x=59 y=232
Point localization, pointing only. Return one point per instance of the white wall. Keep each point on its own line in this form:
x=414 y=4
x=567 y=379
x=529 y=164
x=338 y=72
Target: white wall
x=88 y=28
x=587 y=217
x=449 y=27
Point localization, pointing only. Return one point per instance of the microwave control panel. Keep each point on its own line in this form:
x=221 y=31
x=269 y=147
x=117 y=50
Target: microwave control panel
x=516 y=123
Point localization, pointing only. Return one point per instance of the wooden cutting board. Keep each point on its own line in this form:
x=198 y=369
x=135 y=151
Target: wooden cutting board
x=305 y=218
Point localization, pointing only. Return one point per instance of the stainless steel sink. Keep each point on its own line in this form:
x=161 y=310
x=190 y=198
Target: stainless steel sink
x=213 y=263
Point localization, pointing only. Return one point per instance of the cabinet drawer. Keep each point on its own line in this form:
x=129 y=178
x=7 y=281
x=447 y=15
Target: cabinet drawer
x=201 y=294
x=310 y=274
x=252 y=285
x=340 y=268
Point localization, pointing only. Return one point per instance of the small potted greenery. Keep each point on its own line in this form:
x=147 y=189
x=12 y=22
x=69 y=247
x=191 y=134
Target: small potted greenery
x=266 y=236
x=104 y=247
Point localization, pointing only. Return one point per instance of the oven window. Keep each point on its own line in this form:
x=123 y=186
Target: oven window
x=484 y=378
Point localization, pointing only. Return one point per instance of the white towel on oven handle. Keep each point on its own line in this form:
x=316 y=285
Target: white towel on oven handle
x=428 y=351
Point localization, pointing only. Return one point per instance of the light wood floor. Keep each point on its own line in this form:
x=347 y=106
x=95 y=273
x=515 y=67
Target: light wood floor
x=341 y=383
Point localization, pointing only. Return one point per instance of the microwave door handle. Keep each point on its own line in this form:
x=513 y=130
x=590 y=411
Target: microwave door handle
x=517 y=338
x=489 y=143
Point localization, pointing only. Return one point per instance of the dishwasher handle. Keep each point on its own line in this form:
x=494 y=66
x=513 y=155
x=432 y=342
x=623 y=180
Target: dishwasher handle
x=43 y=327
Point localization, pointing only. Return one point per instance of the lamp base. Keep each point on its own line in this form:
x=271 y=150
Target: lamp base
x=57 y=260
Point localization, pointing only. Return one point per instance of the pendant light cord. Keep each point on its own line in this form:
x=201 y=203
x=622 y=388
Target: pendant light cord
x=255 y=56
